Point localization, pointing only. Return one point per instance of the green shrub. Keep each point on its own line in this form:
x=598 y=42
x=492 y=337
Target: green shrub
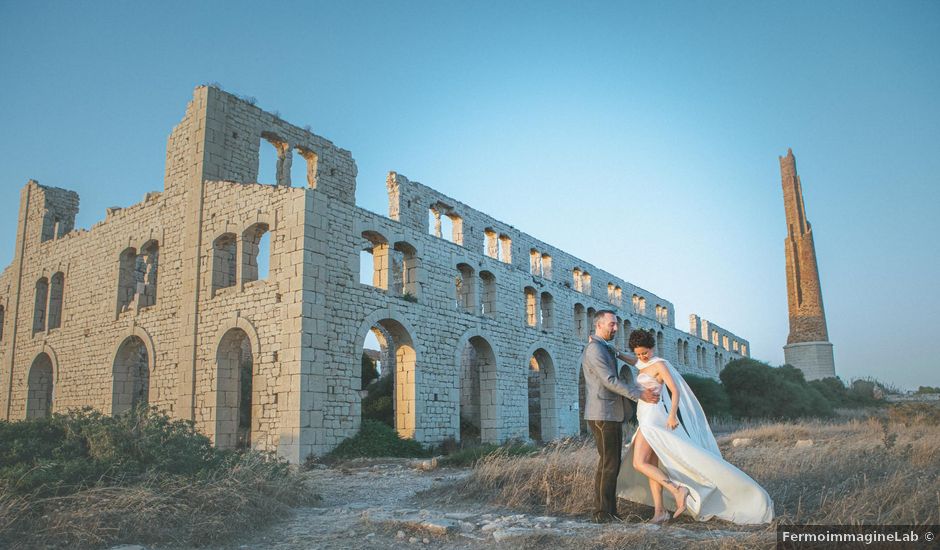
x=468 y=456
x=377 y=439
x=63 y=453
x=757 y=390
x=377 y=405
x=711 y=395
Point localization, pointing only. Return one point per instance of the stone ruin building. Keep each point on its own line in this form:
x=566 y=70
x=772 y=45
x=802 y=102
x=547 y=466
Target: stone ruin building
x=163 y=302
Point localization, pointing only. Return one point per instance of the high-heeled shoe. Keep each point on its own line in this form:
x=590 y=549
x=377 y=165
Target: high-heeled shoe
x=680 y=503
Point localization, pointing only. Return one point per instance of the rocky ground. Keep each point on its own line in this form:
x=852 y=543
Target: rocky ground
x=396 y=503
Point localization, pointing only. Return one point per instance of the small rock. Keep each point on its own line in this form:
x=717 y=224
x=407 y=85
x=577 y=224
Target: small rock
x=400 y=535
x=741 y=441
x=412 y=540
x=801 y=443
x=425 y=465
x=426 y=540
x=439 y=526
x=466 y=526
x=370 y=535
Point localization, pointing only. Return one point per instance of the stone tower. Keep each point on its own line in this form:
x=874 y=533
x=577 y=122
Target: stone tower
x=808 y=347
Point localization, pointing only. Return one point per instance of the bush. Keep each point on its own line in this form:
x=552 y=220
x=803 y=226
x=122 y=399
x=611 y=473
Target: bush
x=757 y=390
x=83 y=479
x=377 y=405
x=377 y=439
x=63 y=453
x=711 y=395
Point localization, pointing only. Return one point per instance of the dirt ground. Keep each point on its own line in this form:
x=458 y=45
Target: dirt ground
x=395 y=503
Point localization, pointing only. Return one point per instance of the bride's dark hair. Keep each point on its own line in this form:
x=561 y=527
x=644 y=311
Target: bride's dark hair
x=641 y=338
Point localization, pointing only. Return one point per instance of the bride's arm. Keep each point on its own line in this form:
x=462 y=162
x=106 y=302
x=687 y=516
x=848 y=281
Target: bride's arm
x=674 y=395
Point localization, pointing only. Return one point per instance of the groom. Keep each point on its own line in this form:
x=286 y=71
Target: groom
x=604 y=409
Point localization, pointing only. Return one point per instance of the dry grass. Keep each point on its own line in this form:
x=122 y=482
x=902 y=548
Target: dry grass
x=165 y=510
x=857 y=472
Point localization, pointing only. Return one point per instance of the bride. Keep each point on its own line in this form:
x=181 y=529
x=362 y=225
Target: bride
x=674 y=449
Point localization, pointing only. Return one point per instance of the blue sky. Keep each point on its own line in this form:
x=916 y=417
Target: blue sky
x=640 y=136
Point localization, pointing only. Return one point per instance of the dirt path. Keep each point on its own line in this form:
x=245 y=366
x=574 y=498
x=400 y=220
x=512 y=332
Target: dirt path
x=372 y=504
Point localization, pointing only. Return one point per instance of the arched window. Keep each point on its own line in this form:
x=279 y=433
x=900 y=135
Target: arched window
x=466 y=289
x=56 y=294
x=254 y=265
x=531 y=314
x=535 y=262
x=147 y=263
x=235 y=370
x=223 y=262
x=130 y=386
x=39 y=385
x=405 y=271
x=490 y=243
x=547 y=312
x=546 y=266
x=39 y=307
x=642 y=310
x=586 y=282
x=576 y=273
x=580 y=323
x=374 y=260
x=488 y=294
x=505 y=248
x=636 y=304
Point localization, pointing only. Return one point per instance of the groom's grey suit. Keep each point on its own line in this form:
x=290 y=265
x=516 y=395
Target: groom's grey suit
x=604 y=413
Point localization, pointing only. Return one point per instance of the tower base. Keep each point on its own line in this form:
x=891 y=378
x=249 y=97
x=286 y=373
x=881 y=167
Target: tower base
x=813 y=358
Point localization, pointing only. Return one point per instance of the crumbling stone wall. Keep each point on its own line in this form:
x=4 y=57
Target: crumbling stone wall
x=161 y=302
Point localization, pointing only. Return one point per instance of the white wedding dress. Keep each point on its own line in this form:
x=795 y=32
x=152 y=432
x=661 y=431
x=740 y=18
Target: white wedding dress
x=690 y=457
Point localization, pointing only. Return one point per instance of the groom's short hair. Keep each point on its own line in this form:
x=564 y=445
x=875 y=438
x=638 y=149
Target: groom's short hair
x=601 y=314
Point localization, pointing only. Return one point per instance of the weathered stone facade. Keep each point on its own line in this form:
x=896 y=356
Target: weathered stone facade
x=164 y=302
x=808 y=346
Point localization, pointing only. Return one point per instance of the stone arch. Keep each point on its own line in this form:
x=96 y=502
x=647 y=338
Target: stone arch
x=56 y=299
x=476 y=362
x=224 y=261
x=236 y=365
x=542 y=393
x=397 y=340
x=40 y=301
x=255 y=239
x=373 y=258
x=40 y=385
x=581 y=321
x=130 y=373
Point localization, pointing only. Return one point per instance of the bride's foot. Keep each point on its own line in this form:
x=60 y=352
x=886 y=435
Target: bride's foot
x=681 y=494
x=660 y=517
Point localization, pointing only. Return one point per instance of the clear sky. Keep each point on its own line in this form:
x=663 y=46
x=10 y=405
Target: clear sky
x=640 y=136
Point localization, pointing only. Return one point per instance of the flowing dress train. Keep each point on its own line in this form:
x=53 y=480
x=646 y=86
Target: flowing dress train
x=690 y=457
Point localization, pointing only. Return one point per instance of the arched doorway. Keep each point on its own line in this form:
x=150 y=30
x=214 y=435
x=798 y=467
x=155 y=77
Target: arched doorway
x=39 y=387
x=398 y=359
x=130 y=386
x=541 y=386
x=234 y=423
x=478 y=392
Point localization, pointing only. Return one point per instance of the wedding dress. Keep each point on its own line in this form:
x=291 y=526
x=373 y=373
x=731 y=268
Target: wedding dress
x=690 y=457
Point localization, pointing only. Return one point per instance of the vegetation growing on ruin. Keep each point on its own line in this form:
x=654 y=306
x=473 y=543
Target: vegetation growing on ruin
x=86 y=479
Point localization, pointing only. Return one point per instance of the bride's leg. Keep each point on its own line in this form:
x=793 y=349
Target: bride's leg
x=643 y=461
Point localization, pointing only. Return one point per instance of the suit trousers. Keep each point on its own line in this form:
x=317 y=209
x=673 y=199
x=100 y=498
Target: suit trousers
x=609 y=438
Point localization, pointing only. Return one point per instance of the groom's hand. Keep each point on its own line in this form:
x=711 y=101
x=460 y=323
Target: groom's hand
x=650 y=396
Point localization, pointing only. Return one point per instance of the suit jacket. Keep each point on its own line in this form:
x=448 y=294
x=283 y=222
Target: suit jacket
x=603 y=389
